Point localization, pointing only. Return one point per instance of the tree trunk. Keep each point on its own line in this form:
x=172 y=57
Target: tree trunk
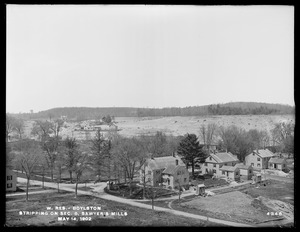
x=70 y=172
x=27 y=186
x=76 y=188
x=51 y=169
x=125 y=176
x=193 y=168
x=109 y=169
x=43 y=179
x=57 y=186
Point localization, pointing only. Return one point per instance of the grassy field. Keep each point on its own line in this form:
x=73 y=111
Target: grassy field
x=135 y=216
x=232 y=206
x=276 y=190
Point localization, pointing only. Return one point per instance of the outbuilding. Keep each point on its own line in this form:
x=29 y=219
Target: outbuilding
x=277 y=164
x=231 y=172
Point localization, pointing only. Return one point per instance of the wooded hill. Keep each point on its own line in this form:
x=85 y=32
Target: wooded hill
x=232 y=108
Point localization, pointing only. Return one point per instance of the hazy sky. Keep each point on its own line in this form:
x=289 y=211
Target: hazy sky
x=147 y=56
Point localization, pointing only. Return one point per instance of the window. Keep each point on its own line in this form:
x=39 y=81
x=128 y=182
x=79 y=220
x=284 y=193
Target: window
x=214 y=165
x=9 y=185
x=9 y=177
x=237 y=173
x=149 y=179
x=225 y=164
x=206 y=170
x=210 y=158
x=214 y=171
x=250 y=171
x=258 y=159
x=258 y=165
x=223 y=172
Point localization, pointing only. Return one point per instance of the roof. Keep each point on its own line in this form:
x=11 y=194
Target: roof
x=224 y=157
x=163 y=162
x=277 y=160
x=171 y=169
x=264 y=153
x=243 y=166
x=229 y=168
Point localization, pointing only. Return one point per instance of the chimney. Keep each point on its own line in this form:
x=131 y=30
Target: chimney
x=226 y=150
x=173 y=154
x=257 y=150
x=176 y=162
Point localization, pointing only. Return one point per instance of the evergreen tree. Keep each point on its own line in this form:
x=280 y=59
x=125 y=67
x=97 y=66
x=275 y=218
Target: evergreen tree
x=191 y=150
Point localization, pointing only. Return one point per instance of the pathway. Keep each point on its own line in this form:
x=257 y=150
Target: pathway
x=106 y=196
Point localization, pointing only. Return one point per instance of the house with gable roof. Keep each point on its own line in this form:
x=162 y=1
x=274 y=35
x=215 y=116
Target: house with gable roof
x=259 y=158
x=231 y=172
x=246 y=171
x=168 y=171
x=217 y=160
x=277 y=164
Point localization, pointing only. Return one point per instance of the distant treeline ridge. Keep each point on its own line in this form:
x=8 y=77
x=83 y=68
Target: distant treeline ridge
x=233 y=108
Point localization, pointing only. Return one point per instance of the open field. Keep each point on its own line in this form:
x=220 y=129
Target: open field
x=135 y=216
x=133 y=126
x=232 y=206
x=276 y=190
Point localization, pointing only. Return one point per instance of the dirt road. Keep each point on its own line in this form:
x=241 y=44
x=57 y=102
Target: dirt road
x=105 y=196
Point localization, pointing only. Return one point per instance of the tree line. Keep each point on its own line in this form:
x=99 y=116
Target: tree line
x=235 y=108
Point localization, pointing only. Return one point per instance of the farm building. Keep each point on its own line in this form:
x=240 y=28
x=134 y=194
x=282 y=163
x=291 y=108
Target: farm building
x=11 y=180
x=259 y=158
x=277 y=164
x=215 y=161
x=169 y=171
x=246 y=171
x=231 y=172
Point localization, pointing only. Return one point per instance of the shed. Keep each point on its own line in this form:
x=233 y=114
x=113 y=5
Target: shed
x=200 y=189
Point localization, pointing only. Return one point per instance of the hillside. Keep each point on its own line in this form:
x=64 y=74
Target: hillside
x=232 y=108
x=134 y=126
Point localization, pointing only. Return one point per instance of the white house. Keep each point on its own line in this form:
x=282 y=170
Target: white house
x=11 y=180
x=277 y=164
x=169 y=171
x=215 y=161
x=259 y=158
x=246 y=171
x=231 y=172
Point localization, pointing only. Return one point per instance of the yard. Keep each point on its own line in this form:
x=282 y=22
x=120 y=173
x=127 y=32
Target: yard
x=135 y=216
x=276 y=190
x=123 y=190
x=232 y=206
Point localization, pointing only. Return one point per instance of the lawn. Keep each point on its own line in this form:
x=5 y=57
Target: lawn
x=276 y=190
x=232 y=206
x=135 y=216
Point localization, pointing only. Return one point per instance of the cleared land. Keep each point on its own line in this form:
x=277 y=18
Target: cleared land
x=133 y=126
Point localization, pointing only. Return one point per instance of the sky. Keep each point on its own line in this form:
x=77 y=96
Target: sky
x=147 y=56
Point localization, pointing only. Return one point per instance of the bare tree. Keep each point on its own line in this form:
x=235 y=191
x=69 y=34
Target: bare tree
x=71 y=153
x=10 y=121
x=207 y=134
x=126 y=152
x=19 y=127
x=28 y=157
x=81 y=163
